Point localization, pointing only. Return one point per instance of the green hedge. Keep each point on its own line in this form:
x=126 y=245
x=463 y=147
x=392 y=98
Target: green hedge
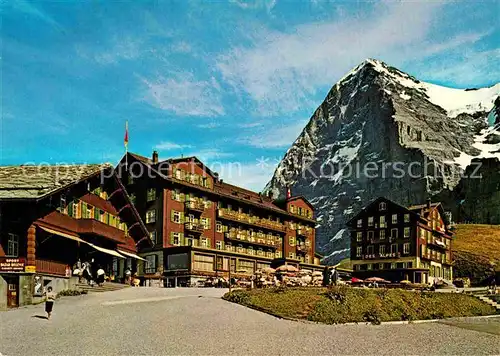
x=345 y=304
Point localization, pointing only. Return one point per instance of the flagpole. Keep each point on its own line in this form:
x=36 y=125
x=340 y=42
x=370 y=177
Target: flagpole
x=126 y=145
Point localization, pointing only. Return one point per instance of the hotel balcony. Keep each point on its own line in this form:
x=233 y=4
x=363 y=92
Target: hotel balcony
x=302 y=248
x=250 y=220
x=442 y=259
x=194 y=227
x=438 y=243
x=195 y=206
x=249 y=240
x=301 y=232
x=95 y=227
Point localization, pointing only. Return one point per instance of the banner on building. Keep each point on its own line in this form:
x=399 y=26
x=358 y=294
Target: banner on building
x=12 y=265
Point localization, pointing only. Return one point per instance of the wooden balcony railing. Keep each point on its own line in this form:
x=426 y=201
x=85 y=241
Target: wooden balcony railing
x=250 y=220
x=194 y=227
x=250 y=240
x=195 y=206
x=51 y=267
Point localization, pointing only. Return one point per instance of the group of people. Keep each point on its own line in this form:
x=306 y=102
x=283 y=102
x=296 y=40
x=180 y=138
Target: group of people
x=89 y=271
x=330 y=276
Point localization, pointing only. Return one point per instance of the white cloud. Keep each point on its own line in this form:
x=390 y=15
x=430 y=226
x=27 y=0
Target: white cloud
x=184 y=95
x=181 y=47
x=165 y=146
x=251 y=125
x=249 y=175
x=471 y=67
x=210 y=125
x=268 y=5
x=209 y=154
x=274 y=137
x=283 y=71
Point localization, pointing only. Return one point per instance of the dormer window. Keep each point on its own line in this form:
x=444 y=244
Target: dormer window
x=382 y=206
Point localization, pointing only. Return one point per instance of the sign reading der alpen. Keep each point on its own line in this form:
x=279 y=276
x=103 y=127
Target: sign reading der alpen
x=12 y=264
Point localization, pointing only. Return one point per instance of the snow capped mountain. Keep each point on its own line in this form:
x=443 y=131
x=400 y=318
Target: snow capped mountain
x=382 y=132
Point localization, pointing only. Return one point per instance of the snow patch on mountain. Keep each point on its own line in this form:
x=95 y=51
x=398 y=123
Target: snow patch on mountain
x=486 y=150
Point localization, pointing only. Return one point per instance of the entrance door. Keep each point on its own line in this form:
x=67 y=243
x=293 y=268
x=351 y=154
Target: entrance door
x=12 y=293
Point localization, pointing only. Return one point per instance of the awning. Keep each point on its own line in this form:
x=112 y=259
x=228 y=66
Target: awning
x=105 y=250
x=133 y=255
x=76 y=238
x=68 y=236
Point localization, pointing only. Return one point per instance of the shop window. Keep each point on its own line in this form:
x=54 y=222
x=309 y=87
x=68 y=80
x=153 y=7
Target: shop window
x=151 y=263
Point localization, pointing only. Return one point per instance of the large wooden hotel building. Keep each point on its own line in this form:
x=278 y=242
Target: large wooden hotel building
x=402 y=243
x=202 y=227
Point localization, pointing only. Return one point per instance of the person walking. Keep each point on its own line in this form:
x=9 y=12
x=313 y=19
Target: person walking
x=50 y=298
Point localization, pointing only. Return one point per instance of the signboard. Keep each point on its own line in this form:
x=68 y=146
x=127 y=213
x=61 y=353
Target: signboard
x=30 y=269
x=10 y=265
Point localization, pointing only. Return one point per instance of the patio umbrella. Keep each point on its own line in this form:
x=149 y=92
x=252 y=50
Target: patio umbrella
x=356 y=280
x=317 y=274
x=287 y=268
x=376 y=279
x=405 y=281
x=268 y=270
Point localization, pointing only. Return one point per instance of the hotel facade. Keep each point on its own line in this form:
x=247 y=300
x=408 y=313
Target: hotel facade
x=202 y=227
x=53 y=216
x=398 y=243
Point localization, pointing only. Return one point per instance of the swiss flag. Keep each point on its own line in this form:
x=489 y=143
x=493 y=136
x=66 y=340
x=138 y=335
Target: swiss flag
x=288 y=193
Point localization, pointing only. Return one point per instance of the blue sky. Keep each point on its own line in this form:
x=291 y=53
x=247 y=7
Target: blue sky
x=231 y=82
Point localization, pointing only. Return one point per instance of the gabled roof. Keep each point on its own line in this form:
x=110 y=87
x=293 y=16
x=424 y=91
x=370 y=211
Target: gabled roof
x=303 y=198
x=38 y=181
x=221 y=188
x=374 y=202
x=192 y=159
x=422 y=206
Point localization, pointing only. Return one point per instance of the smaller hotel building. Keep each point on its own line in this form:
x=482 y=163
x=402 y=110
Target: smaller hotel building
x=398 y=243
x=201 y=227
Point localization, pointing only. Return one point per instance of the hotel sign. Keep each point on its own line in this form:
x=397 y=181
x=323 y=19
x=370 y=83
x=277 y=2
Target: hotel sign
x=9 y=265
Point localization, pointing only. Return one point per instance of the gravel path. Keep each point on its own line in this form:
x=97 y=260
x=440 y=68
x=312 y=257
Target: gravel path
x=149 y=321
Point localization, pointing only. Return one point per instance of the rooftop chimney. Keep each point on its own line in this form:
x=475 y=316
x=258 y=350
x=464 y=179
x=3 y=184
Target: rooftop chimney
x=270 y=195
x=428 y=203
x=155 y=157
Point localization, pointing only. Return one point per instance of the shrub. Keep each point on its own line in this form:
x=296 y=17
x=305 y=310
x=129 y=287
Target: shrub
x=372 y=316
x=337 y=294
x=70 y=293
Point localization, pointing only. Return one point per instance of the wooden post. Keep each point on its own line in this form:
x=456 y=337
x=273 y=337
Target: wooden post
x=31 y=249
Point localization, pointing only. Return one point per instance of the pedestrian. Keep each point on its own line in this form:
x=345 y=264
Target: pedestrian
x=334 y=276
x=326 y=277
x=100 y=276
x=128 y=275
x=50 y=298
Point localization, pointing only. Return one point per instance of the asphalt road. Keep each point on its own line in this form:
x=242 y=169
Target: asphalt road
x=149 y=321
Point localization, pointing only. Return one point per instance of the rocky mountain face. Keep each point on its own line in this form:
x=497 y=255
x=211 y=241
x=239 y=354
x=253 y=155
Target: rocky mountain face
x=382 y=132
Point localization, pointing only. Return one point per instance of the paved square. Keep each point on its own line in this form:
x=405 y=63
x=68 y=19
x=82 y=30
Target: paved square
x=149 y=321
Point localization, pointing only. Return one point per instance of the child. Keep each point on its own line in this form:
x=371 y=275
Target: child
x=49 y=301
